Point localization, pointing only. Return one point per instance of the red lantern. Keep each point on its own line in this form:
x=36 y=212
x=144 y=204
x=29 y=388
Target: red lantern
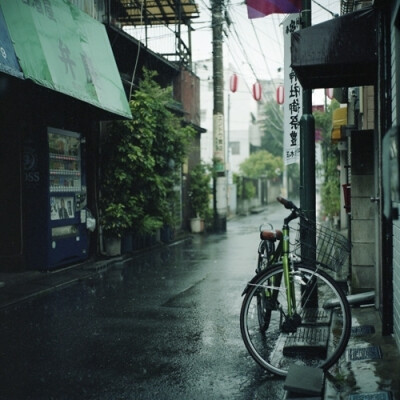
x=329 y=93
x=280 y=94
x=257 y=91
x=234 y=83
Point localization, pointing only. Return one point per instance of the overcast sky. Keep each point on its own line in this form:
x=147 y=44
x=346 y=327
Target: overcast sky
x=253 y=47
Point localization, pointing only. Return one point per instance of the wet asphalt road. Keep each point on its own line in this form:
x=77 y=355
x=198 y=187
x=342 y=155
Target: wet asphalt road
x=163 y=326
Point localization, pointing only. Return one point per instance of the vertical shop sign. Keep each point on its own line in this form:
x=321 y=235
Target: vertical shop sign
x=219 y=142
x=293 y=92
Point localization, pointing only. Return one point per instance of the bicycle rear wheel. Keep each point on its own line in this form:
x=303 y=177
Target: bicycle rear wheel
x=264 y=314
x=321 y=327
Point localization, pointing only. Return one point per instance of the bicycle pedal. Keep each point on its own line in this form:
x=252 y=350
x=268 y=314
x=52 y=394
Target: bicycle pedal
x=307 y=341
x=316 y=316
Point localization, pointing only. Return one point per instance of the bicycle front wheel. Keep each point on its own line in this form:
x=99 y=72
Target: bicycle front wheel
x=317 y=332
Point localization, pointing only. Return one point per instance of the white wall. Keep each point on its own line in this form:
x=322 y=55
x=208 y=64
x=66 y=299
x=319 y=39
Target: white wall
x=238 y=108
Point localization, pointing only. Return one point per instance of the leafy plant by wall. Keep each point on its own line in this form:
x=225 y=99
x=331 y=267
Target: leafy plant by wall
x=141 y=163
x=330 y=188
x=246 y=188
x=199 y=191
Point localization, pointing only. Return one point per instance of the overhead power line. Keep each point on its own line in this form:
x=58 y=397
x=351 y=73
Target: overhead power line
x=334 y=15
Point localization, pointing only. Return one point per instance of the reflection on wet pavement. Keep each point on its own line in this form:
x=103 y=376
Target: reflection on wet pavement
x=366 y=373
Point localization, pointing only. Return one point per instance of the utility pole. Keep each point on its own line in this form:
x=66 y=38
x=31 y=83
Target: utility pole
x=219 y=180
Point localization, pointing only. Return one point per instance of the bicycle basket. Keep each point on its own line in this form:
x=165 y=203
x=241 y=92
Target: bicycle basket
x=331 y=248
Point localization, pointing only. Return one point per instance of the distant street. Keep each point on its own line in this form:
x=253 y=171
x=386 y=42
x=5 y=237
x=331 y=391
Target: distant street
x=163 y=326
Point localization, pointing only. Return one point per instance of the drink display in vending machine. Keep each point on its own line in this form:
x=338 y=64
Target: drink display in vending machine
x=67 y=198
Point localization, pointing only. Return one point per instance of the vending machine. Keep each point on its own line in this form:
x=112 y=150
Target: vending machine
x=67 y=198
x=56 y=200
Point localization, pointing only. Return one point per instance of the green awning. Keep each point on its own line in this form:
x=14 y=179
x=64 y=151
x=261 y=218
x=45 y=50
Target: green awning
x=8 y=59
x=62 y=48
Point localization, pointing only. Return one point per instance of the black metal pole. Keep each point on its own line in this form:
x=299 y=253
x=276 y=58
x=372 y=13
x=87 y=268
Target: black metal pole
x=307 y=173
x=307 y=138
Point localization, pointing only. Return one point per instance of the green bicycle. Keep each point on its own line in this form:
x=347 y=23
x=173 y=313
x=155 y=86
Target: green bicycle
x=293 y=311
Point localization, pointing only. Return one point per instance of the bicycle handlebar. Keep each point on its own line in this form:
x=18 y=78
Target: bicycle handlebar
x=287 y=203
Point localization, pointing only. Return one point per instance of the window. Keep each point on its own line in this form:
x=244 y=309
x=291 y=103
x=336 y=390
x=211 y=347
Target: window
x=235 y=147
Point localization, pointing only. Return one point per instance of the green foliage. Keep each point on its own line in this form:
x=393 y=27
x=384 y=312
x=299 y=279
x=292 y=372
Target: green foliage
x=330 y=189
x=262 y=163
x=116 y=219
x=246 y=188
x=140 y=163
x=272 y=139
x=249 y=190
x=272 y=126
x=199 y=190
x=323 y=122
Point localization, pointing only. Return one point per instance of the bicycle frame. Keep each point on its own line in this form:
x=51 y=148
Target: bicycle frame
x=277 y=254
x=282 y=253
x=288 y=281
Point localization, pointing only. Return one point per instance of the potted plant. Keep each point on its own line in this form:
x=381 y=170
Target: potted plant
x=117 y=214
x=199 y=188
x=115 y=221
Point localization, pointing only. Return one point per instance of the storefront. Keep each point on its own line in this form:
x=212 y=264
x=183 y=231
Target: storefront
x=58 y=81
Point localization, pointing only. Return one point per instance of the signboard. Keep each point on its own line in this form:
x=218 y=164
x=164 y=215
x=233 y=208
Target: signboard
x=293 y=95
x=219 y=142
x=62 y=48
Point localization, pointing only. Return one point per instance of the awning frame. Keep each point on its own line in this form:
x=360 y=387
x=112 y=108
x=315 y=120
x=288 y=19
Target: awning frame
x=341 y=52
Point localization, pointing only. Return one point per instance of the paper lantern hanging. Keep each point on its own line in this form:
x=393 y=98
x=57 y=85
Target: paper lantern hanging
x=234 y=83
x=280 y=94
x=257 y=91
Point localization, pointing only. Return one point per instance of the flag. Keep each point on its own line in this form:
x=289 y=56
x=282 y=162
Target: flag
x=261 y=8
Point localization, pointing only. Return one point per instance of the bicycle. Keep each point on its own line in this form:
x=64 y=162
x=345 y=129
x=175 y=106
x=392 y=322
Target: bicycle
x=293 y=311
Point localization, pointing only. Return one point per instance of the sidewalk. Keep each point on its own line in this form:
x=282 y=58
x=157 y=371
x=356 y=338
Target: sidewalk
x=370 y=366
x=16 y=287
x=24 y=285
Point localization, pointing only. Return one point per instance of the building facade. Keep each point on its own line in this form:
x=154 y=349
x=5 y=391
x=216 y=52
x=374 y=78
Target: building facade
x=66 y=67
x=365 y=67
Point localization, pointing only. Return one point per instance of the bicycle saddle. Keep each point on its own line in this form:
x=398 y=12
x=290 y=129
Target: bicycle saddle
x=271 y=235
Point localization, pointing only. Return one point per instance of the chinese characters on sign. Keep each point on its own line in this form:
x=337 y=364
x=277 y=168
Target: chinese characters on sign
x=66 y=56
x=60 y=47
x=42 y=6
x=293 y=97
x=219 y=142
